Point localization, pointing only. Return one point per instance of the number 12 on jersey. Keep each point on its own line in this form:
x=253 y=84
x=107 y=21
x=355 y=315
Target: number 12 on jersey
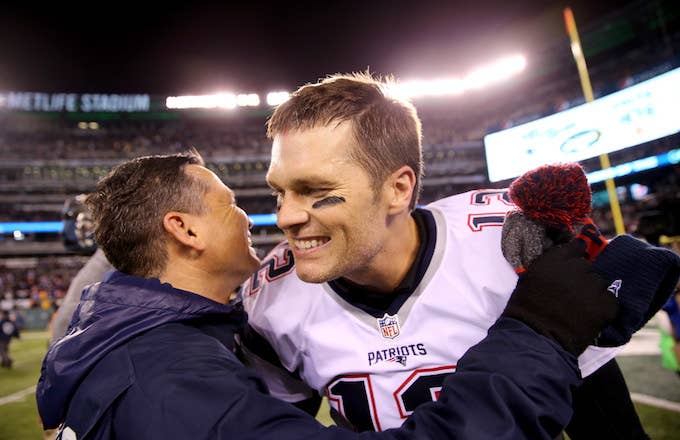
x=353 y=398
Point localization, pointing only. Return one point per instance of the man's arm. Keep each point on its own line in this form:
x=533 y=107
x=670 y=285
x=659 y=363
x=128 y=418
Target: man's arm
x=517 y=382
x=514 y=384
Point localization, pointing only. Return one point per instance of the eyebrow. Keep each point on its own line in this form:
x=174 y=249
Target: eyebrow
x=307 y=183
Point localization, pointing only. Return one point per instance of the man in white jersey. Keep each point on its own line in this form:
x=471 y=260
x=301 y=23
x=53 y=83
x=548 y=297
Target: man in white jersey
x=372 y=301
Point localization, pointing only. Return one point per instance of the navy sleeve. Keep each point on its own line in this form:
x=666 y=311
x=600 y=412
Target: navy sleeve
x=515 y=384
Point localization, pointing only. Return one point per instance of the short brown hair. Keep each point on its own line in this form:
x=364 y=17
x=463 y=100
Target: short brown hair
x=129 y=203
x=387 y=130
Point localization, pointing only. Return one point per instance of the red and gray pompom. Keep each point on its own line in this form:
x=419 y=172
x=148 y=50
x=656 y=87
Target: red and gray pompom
x=554 y=203
x=556 y=196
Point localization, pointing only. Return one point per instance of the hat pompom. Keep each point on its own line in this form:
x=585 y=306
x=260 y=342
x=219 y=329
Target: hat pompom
x=554 y=195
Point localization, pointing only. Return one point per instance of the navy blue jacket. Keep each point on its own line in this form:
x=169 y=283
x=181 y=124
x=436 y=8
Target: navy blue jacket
x=143 y=360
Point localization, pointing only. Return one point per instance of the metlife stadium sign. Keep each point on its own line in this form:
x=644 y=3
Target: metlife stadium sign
x=73 y=102
x=641 y=113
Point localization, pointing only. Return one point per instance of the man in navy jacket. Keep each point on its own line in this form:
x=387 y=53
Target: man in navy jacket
x=150 y=352
x=8 y=330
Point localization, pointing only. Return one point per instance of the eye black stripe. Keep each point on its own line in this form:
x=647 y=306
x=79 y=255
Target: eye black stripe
x=328 y=201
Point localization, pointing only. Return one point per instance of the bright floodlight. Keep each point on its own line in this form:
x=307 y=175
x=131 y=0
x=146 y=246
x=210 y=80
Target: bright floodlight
x=276 y=98
x=248 y=100
x=221 y=100
x=478 y=78
x=499 y=71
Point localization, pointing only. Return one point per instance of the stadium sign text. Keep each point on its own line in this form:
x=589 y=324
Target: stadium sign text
x=73 y=102
x=632 y=116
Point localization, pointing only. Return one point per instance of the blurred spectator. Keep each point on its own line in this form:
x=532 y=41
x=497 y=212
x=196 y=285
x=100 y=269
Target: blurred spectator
x=8 y=330
x=670 y=333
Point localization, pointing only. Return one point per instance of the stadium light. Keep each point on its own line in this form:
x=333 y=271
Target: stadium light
x=276 y=98
x=498 y=71
x=248 y=100
x=478 y=78
x=220 y=100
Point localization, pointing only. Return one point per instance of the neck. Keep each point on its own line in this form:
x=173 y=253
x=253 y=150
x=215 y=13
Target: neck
x=188 y=276
x=390 y=266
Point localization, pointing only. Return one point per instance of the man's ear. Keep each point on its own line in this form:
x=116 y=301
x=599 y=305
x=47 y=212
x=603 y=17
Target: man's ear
x=402 y=183
x=182 y=227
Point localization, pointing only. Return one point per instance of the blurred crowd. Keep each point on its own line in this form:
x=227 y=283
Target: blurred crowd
x=36 y=283
x=31 y=138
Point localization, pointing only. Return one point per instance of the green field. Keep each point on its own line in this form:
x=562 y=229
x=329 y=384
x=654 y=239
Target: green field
x=19 y=416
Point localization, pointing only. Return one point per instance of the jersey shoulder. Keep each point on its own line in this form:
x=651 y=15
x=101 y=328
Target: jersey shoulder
x=279 y=305
x=471 y=212
x=276 y=266
x=475 y=199
x=275 y=281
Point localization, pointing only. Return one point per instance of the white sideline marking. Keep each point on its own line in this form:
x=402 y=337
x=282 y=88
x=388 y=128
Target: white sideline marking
x=655 y=401
x=31 y=335
x=18 y=396
x=644 y=342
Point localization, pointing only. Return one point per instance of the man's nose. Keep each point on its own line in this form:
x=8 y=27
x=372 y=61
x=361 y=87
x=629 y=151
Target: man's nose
x=292 y=212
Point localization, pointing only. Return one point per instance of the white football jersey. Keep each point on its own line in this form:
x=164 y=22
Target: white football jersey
x=376 y=370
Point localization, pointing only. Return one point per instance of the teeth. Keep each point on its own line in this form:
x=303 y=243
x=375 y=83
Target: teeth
x=308 y=244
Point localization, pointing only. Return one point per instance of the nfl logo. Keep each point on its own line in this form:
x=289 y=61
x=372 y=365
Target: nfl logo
x=389 y=326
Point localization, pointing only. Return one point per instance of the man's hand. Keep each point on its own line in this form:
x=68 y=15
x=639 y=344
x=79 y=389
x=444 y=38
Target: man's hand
x=560 y=296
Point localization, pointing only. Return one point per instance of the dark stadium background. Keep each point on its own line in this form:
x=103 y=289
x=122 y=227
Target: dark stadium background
x=165 y=49
x=185 y=47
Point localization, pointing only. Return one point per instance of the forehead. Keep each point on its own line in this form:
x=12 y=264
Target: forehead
x=316 y=155
x=210 y=179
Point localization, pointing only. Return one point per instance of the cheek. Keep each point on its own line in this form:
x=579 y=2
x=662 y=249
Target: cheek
x=230 y=229
x=235 y=220
x=364 y=228
x=356 y=220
